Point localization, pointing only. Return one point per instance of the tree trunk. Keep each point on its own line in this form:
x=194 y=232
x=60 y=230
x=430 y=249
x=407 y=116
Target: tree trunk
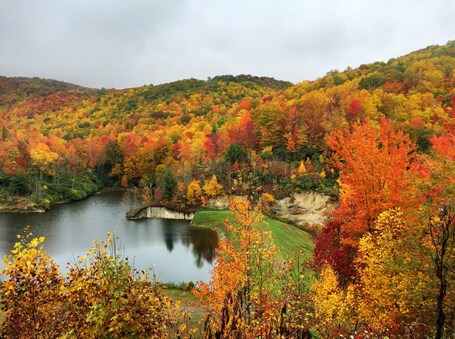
x=443 y=240
x=442 y=292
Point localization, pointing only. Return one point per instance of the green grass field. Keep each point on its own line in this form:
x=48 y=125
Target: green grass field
x=212 y=219
x=288 y=238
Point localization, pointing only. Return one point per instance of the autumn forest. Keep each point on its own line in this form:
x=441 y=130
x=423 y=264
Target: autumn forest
x=378 y=139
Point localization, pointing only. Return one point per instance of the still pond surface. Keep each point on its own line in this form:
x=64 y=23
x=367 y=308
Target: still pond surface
x=177 y=251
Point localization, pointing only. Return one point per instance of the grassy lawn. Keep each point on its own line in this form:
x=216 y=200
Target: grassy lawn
x=212 y=219
x=288 y=238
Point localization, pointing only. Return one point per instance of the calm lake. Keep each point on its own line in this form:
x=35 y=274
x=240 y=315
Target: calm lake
x=177 y=251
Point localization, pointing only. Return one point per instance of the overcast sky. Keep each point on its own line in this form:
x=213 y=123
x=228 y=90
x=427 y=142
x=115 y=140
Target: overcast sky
x=129 y=43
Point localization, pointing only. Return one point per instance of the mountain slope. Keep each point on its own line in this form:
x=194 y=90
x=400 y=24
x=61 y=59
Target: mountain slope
x=253 y=133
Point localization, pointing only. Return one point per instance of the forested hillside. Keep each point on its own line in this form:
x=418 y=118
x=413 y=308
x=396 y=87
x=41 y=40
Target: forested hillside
x=254 y=134
x=380 y=138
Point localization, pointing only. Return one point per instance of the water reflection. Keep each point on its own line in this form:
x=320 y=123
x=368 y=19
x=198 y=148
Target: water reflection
x=201 y=241
x=178 y=251
x=204 y=244
x=169 y=241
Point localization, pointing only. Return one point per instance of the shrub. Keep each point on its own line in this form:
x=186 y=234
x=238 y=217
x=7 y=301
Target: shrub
x=101 y=297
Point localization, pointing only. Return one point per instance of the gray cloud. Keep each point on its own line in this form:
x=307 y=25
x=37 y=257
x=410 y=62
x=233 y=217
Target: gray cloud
x=117 y=43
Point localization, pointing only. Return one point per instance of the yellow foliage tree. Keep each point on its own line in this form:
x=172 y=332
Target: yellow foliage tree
x=393 y=283
x=212 y=188
x=333 y=306
x=194 y=192
x=106 y=299
x=42 y=157
x=30 y=296
x=302 y=168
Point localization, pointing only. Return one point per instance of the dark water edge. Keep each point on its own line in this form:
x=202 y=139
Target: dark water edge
x=178 y=251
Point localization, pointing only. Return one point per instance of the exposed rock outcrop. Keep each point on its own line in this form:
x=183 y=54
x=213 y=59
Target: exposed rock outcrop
x=218 y=203
x=304 y=208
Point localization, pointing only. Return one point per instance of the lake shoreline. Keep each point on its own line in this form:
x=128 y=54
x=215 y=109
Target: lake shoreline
x=22 y=205
x=26 y=205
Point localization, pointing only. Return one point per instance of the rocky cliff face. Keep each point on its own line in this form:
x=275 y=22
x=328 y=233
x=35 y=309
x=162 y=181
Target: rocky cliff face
x=304 y=208
x=218 y=203
x=159 y=213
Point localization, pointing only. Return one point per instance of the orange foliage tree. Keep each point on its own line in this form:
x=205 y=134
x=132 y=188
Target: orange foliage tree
x=242 y=293
x=373 y=164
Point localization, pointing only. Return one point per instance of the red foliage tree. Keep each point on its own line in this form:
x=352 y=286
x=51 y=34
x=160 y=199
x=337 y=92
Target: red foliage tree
x=329 y=249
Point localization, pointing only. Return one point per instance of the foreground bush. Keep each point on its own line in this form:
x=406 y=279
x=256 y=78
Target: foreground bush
x=100 y=298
